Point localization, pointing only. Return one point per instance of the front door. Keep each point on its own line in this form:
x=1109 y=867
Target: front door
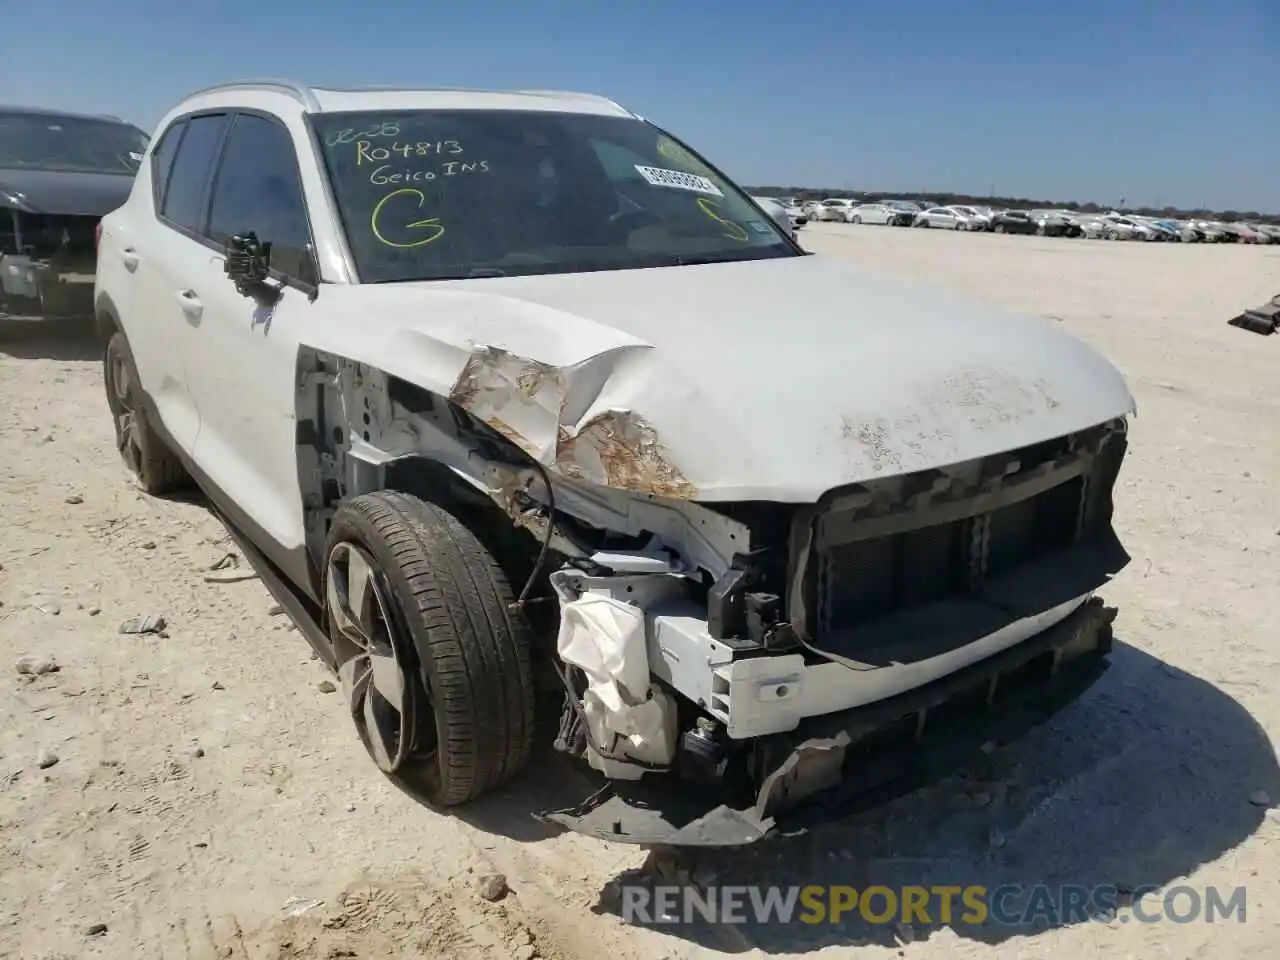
x=163 y=254
x=245 y=357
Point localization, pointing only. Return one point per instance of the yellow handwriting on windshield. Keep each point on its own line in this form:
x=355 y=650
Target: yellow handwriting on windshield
x=434 y=229
x=679 y=155
x=734 y=231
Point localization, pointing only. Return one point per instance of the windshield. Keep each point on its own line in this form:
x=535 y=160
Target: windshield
x=450 y=194
x=36 y=141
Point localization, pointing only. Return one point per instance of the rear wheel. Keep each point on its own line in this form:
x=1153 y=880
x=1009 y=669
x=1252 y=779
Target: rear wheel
x=155 y=467
x=434 y=663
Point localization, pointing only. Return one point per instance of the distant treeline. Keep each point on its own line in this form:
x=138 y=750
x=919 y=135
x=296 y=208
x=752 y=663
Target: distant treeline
x=1016 y=203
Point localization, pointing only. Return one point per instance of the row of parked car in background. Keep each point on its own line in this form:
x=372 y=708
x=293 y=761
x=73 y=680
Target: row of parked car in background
x=1043 y=222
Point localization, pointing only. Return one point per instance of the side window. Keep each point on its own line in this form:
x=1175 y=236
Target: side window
x=257 y=189
x=184 y=198
x=162 y=161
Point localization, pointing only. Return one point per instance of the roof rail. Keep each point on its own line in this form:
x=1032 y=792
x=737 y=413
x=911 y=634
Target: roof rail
x=576 y=95
x=306 y=95
x=564 y=94
x=299 y=91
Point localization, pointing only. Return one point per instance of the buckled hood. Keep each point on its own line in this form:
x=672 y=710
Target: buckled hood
x=773 y=380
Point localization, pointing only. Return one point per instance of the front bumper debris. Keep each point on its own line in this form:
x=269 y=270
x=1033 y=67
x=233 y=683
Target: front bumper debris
x=1264 y=320
x=834 y=764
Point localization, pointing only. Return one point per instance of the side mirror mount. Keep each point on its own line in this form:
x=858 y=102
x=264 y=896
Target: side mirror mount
x=248 y=264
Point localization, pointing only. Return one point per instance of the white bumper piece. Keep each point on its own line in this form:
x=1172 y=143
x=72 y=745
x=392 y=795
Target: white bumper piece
x=628 y=717
x=623 y=629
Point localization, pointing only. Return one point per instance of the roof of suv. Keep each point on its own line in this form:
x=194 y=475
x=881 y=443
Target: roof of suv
x=341 y=99
x=64 y=114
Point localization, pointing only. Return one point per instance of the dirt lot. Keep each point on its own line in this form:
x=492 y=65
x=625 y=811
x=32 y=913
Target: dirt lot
x=210 y=799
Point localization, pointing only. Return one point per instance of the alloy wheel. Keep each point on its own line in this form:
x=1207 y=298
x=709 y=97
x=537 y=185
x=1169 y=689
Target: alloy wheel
x=370 y=653
x=128 y=429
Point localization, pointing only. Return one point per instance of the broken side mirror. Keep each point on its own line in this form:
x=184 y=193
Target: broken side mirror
x=248 y=264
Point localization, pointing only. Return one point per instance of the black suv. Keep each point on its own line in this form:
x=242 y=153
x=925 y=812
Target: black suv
x=59 y=174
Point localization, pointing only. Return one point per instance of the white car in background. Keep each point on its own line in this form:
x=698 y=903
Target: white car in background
x=1114 y=226
x=947 y=218
x=799 y=217
x=778 y=212
x=880 y=212
x=979 y=216
x=478 y=466
x=796 y=215
x=837 y=209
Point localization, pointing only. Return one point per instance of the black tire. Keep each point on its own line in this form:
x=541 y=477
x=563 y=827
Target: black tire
x=857 y=218
x=155 y=467
x=465 y=655
x=998 y=228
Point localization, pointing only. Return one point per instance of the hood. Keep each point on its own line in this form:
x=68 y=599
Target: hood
x=74 y=194
x=771 y=380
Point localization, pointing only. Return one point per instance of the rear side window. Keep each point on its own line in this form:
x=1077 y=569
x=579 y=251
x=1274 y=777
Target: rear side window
x=162 y=161
x=257 y=189
x=184 y=199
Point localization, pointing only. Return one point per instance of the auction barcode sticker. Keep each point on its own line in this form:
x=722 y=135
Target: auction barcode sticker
x=678 y=179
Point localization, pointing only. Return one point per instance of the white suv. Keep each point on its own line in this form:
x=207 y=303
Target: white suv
x=501 y=388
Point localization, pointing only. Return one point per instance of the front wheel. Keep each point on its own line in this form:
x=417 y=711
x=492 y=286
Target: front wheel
x=857 y=218
x=435 y=664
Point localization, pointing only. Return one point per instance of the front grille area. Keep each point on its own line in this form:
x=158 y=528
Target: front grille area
x=42 y=236
x=868 y=579
x=952 y=551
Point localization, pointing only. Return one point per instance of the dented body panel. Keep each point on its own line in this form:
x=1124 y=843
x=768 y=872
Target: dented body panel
x=774 y=380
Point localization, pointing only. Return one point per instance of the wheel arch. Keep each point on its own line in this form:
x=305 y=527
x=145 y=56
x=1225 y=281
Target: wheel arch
x=361 y=430
x=106 y=317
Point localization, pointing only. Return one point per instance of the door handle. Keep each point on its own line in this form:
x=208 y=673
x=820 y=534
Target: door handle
x=130 y=258
x=191 y=305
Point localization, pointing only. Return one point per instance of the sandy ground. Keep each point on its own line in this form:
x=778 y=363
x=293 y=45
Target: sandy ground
x=209 y=799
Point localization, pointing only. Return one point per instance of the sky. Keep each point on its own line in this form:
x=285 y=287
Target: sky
x=1150 y=102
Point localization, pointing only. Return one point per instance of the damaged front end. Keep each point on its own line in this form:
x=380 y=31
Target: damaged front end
x=47 y=264
x=729 y=668
x=867 y=635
